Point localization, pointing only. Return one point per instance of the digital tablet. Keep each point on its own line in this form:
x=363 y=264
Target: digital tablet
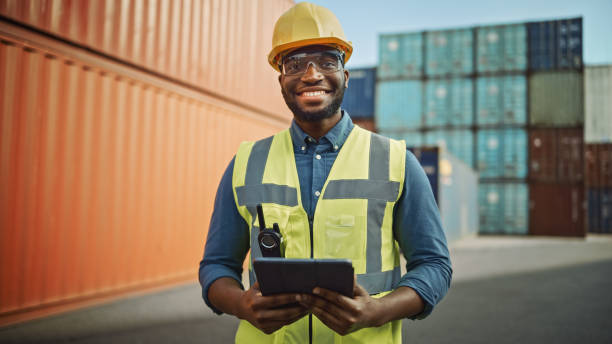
x=288 y=275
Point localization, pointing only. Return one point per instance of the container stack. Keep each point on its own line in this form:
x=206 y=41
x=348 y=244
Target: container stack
x=359 y=97
x=505 y=99
x=425 y=89
x=501 y=121
x=598 y=147
x=556 y=119
x=399 y=87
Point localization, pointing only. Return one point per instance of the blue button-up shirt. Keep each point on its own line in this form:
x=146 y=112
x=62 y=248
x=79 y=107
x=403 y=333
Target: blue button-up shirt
x=416 y=219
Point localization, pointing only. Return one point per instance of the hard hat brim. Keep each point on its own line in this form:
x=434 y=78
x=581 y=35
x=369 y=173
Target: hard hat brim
x=278 y=52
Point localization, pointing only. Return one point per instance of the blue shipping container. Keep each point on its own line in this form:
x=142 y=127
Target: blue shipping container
x=399 y=105
x=429 y=159
x=448 y=102
x=501 y=100
x=359 y=96
x=555 y=44
x=400 y=55
x=449 y=52
x=502 y=153
x=412 y=138
x=459 y=142
x=503 y=208
x=501 y=48
x=599 y=210
x=569 y=39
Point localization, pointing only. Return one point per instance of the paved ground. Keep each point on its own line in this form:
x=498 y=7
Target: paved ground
x=505 y=290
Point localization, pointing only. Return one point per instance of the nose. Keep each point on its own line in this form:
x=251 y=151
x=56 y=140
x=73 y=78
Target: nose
x=311 y=74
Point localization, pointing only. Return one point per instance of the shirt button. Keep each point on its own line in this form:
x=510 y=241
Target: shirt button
x=303 y=148
x=317 y=193
x=318 y=157
x=336 y=147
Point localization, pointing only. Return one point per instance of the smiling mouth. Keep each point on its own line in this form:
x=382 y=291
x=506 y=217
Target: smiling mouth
x=312 y=93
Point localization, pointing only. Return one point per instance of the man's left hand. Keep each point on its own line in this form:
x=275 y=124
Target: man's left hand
x=341 y=313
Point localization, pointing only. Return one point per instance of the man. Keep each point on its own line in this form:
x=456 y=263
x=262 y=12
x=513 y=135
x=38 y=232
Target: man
x=337 y=191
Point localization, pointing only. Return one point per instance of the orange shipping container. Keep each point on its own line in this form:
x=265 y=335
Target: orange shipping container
x=108 y=173
x=216 y=46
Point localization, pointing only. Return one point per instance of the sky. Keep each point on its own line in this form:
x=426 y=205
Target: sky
x=363 y=21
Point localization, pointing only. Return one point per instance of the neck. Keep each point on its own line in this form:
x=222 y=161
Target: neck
x=318 y=129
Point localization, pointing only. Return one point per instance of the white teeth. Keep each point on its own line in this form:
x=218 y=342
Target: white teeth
x=314 y=94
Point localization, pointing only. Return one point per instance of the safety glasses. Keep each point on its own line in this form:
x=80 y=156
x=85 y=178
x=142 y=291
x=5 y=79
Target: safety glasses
x=325 y=62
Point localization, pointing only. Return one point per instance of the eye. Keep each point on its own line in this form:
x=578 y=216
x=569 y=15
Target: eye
x=292 y=65
x=329 y=63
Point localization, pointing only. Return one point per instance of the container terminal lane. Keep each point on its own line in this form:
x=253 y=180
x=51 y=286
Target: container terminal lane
x=505 y=290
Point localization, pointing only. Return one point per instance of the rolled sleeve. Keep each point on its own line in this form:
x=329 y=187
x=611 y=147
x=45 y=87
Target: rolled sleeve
x=418 y=230
x=228 y=240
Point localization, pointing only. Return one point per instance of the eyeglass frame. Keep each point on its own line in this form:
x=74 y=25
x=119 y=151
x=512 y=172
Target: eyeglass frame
x=334 y=52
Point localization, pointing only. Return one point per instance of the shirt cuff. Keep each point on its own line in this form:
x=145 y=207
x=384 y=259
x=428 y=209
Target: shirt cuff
x=211 y=273
x=423 y=290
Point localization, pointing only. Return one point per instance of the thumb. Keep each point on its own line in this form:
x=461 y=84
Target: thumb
x=358 y=290
x=255 y=286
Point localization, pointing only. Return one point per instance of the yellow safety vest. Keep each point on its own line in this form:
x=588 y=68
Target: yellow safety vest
x=353 y=219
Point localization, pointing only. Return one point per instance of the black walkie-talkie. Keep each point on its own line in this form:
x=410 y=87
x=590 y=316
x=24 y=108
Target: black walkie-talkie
x=269 y=239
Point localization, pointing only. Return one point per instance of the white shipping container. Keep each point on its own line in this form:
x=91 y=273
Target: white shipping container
x=598 y=104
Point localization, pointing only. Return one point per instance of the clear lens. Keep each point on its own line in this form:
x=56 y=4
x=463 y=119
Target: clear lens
x=324 y=62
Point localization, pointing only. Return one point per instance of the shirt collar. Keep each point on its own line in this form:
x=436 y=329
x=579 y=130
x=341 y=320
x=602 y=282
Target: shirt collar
x=336 y=136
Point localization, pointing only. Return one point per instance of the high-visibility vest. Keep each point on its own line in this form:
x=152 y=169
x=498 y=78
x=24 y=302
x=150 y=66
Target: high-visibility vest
x=353 y=219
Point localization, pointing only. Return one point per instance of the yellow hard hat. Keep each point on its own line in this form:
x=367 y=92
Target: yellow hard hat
x=307 y=24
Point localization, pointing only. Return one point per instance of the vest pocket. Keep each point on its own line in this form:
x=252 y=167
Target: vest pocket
x=296 y=237
x=344 y=237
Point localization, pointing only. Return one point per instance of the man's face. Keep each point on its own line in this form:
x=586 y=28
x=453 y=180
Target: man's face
x=314 y=94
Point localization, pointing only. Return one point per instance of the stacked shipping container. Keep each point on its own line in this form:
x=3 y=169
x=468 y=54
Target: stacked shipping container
x=425 y=89
x=359 y=97
x=598 y=148
x=113 y=140
x=501 y=118
x=556 y=118
x=477 y=92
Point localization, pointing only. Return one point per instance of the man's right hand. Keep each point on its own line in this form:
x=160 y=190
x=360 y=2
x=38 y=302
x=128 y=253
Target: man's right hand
x=267 y=313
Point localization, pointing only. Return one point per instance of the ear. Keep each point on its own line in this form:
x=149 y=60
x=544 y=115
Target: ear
x=346 y=78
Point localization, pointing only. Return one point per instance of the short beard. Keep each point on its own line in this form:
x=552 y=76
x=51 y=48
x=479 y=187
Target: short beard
x=326 y=112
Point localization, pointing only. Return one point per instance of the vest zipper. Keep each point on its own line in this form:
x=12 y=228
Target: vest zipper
x=310 y=225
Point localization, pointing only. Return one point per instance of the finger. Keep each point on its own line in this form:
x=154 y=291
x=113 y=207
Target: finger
x=269 y=326
x=281 y=314
x=327 y=294
x=329 y=307
x=338 y=325
x=273 y=301
x=298 y=316
x=337 y=299
x=358 y=290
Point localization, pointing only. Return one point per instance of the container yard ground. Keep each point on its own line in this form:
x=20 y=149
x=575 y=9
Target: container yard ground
x=505 y=290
